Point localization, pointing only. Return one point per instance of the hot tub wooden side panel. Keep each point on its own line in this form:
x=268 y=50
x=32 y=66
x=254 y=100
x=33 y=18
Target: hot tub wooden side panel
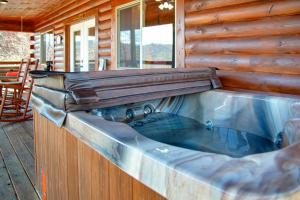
x=66 y=168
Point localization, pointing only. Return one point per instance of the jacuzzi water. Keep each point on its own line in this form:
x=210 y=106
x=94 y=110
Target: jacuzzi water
x=188 y=133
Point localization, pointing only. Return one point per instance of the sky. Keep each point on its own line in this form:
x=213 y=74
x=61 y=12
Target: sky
x=162 y=34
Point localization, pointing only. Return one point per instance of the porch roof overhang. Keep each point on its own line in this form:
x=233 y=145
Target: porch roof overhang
x=16 y=25
x=23 y=15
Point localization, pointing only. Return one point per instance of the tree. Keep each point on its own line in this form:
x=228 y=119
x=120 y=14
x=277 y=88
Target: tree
x=14 y=46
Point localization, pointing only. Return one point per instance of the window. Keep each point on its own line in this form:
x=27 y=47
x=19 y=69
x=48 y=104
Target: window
x=146 y=37
x=129 y=37
x=83 y=46
x=47 y=47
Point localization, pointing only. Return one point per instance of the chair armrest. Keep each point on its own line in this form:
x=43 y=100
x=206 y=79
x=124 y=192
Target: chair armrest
x=8 y=78
x=12 y=85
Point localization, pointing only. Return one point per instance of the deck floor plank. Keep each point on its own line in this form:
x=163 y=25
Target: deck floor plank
x=25 y=137
x=18 y=160
x=28 y=126
x=24 y=155
x=7 y=191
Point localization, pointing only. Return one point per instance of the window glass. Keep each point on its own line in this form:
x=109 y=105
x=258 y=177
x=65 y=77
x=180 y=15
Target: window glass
x=83 y=46
x=129 y=37
x=91 y=48
x=158 y=34
x=77 y=51
x=47 y=47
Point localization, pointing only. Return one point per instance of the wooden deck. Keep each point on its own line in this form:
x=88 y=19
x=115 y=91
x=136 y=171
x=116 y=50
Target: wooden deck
x=17 y=165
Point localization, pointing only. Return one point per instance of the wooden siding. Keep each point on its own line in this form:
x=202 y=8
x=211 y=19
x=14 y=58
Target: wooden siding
x=105 y=32
x=75 y=171
x=245 y=39
x=255 y=44
x=59 y=54
x=37 y=46
x=105 y=29
x=74 y=12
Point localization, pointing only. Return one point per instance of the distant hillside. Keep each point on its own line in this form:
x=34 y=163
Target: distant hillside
x=151 y=52
x=157 y=52
x=14 y=46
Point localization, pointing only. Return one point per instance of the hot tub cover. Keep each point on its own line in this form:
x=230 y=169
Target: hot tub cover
x=88 y=90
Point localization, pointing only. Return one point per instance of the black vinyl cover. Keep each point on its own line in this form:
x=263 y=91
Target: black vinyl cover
x=88 y=90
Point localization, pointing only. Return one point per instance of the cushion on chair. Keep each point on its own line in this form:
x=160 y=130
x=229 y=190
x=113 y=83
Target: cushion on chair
x=12 y=74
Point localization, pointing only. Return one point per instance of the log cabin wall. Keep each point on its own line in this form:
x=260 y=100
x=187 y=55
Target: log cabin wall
x=59 y=54
x=59 y=22
x=105 y=14
x=255 y=44
x=37 y=44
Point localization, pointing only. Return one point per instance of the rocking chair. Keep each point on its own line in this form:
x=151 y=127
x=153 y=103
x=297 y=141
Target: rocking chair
x=16 y=95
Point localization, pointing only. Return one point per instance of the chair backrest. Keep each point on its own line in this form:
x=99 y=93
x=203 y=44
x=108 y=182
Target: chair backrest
x=27 y=88
x=33 y=66
x=20 y=67
x=23 y=71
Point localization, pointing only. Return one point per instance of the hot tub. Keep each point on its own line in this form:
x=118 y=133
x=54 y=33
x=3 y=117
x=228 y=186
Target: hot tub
x=236 y=125
x=212 y=145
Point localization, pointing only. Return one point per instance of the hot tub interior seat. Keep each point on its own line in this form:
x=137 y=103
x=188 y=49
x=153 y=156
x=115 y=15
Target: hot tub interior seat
x=234 y=124
x=188 y=133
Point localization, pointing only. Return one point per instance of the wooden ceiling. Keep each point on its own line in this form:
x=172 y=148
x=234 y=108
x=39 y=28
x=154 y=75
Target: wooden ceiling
x=30 y=10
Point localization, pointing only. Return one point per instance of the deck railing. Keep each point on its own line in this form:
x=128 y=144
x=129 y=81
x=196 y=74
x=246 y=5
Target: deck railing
x=8 y=67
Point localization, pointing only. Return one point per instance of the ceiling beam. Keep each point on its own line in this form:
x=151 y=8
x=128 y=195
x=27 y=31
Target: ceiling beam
x=15 y=26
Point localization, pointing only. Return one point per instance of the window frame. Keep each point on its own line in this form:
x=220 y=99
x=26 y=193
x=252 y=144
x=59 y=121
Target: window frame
x=117 y=12
x=142 y=21
x=83 y=27
x=42 y=45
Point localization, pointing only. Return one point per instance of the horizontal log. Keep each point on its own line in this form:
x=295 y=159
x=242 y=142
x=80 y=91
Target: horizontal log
x=59 y=48
x=59 y=26
x=59 y=54
x=104 y=52
x=196 y=5
x=105 y=25
x=254 y=45
x=63 y=14
x=59 y=58
x=282 y=64
x=105 y=34
x=7 y=25
x=59 y=65
x=66 y=7
x=105 y=7
x=244 y=12
x=104 y=46
x=59 y=32
x=105 y=16
x=10 y=62
x=279 y=25
x=287 y=84
x=104 y=43
x=51 y=16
